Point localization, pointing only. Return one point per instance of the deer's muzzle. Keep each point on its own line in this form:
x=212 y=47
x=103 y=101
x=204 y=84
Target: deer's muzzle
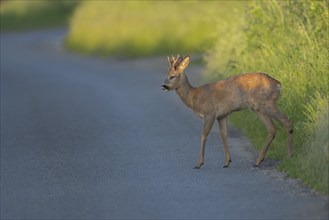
x=165 y=87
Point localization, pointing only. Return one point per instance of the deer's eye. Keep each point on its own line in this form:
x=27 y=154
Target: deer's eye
x=171 y=77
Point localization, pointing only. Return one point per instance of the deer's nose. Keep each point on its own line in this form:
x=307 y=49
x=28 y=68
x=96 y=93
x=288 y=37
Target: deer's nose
x=165 y=87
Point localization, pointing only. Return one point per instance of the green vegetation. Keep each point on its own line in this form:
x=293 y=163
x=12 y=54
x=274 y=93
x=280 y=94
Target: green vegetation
x=289 y=41
x=24 y=15
x=312 y=163
x=135 y=28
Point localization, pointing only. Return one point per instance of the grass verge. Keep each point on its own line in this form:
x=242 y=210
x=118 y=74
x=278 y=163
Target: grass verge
x=289 y=41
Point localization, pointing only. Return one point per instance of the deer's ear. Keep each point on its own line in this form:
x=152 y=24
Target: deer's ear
x=184 y=64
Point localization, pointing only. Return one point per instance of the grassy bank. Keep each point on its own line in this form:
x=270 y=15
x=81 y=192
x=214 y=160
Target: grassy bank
x=139 y=28
x=25 y=15
x=289 y=41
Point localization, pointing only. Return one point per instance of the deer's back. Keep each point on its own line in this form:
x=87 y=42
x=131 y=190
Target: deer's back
x=253 y=90
x=249 y=90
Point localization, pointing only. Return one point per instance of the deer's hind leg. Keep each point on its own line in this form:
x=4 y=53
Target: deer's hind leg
x=271 y=131
x=278 y=115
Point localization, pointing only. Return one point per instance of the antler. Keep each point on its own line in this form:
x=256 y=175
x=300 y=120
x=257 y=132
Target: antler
x=174 y=62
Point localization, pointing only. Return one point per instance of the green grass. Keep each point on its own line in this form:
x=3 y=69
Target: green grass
x=289 y=41
x=311 y=164
x=33 y=14
x=141 y=28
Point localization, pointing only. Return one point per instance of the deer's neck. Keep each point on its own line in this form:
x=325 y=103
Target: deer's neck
x=185 y=91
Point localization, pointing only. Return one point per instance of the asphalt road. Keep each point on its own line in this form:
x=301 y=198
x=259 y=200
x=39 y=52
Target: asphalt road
x=96 y=138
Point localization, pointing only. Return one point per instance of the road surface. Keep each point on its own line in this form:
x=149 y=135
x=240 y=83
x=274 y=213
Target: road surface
x=96 y=138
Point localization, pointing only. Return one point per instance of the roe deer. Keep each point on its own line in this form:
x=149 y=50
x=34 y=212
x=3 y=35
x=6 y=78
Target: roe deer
x=256 y=91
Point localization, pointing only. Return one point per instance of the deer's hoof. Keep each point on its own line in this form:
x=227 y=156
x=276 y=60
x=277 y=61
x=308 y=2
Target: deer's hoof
x=198 y=166
x=227 y=164
x=258 y=163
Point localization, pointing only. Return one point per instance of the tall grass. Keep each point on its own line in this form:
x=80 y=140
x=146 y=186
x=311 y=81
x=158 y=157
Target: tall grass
x=289 y=41
x=30 y=14
x=137 y=28
x=313 y=161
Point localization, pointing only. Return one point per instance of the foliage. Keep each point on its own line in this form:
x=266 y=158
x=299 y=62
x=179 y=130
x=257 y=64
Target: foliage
x=23 y=14
x=137 y=28
x=312 y=164
x=289 y=41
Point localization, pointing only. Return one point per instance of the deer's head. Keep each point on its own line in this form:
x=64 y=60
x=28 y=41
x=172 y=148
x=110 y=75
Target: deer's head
x=176 y=69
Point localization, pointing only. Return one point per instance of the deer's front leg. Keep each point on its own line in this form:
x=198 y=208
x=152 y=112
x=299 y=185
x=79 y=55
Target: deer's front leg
x=208 y=123
x=223 y=133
